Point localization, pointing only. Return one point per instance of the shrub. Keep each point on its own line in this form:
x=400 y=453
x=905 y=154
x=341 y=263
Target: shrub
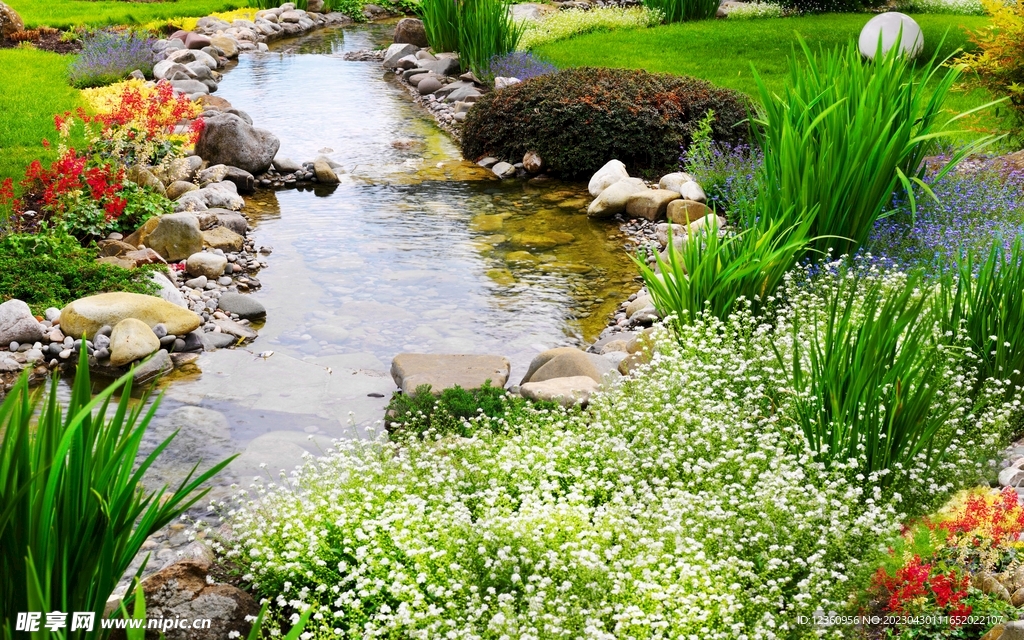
x=518 y=65
x=999 y=61
x=53 y=270
x=579 y=119
x=75 y=512
x=573 y=22
x=455 y=411
x=844 y=133
x=109 y=55
x=684 y=10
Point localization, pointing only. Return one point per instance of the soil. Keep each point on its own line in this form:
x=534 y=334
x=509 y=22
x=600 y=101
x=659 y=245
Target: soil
x=49 y=40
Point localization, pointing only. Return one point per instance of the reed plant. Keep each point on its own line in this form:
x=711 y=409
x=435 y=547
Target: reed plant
x=984 y=299
x=486 y=30
x=74 y=513
x=845 y=133
x=684 y=10
x=866 y=373
x=441 y=23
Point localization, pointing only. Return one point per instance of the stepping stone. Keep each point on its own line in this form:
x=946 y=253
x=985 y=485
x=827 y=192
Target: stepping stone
x=444 y=371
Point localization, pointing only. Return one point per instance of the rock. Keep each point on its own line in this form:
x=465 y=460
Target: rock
x=131 y=340
x=179 y=188
x=443 y=371
x=10 y=21
x=213 y=103
x=487 y=162
x=315 y=6
x=606 y=176
x=642 y=301
x=115 y=248
x=230 y=220
x=186 y=56
x=213 y=340
x=225 y=44
x=196 y=41
x=228 y=139
x=1012 y=475
x=692 y=191
x=247 y=307
x=991 y=586
x=890 y=27
x=396 y=52
x=504 y=170
x=613 y=199
x=197 y=283
x=650 y=204
x=224 y=239
x=567 y=362
x=673 y=181
x=428 y=85
x=237 y=330
x=191 y=202
x=630 y=363
x=190 y=87
x=443 y=66
x=530 y=11
x=324 y=173
x=286 y=165
x=168 y=291
x=179 y=169
x=185 y=590
x=1013 y=630
x=411 y=31
x=204 y=263
x=532 y=161
x=504 y=83
x=686 y=211
x=221 y=195
x=243 y=180
x=116 y=261
x=568 y=391
x=86 y=316
x=17 y=324
x=175 y=236
x=142 y=177
x=144 y=256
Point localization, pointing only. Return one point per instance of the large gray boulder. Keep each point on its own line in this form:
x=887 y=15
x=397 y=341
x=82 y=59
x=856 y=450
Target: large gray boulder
x=228 y=139
x=443 y=371
x=175 y=236
x=17 y=324
x=396 y=52
x=613 y=199
x=568 y=362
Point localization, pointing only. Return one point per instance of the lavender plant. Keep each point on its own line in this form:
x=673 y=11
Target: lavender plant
x=518 y=64
x=109 y=55
x=972 y=212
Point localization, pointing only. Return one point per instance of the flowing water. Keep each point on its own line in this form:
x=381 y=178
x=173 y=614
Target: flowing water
x=416 y=250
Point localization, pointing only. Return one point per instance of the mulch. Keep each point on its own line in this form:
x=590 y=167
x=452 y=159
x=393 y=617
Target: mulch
x=47 y=40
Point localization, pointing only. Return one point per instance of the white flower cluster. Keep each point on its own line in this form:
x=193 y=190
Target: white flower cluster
x=952 y=7
x=751 y=10
x=683 y=504
x=573 y=22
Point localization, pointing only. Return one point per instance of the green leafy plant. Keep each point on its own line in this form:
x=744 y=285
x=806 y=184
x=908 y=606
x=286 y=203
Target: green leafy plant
x=455 y=411
x=999 y=60
x=644 y=119
x=684 y=10
x=441 y=22
x=867 y=374
x=486 y=30
x=74 y=513
x=845 y=133
x=51 y=270
x=985 y=299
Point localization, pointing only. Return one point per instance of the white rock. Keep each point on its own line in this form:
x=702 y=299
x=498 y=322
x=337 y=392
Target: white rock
x=692 y=191
x=673 y=181
x=891 y=27
x=168 y=291
x=606 y=176
x=17 y=324
x=565 y=391
x=613 y=199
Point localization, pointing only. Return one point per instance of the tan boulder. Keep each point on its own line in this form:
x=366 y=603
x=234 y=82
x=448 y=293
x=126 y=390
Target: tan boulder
x=179 y=188
x=86 y=315
x=567 y=362
x=443 y=371
x=686 y=211
x=650 y=204
x=10 y=21
x=131 y=340
x=567 y=391
x=117 y=261
x=613 y=199
x=225 y=44
x=145 y=179
x=175 y=236
x=224 y=239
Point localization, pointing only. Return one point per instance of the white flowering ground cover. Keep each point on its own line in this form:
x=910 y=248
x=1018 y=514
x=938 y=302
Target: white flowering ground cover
x=754 y=10
x=683 y=504
x=561 y=25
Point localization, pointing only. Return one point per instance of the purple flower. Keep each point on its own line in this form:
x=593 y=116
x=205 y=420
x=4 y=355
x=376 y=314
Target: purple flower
x=518 y=64
x=108 y=56
x=727 y=173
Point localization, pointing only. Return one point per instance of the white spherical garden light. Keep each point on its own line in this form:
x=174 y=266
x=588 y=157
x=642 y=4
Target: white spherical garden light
x=888 y=26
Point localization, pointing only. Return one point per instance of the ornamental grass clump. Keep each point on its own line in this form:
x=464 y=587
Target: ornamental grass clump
x=75 y=513
x=109 y=55
x=478 y=29
x=844 y=134
x=441 y=23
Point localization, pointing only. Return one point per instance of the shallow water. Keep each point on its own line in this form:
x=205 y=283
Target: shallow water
x=416 y=250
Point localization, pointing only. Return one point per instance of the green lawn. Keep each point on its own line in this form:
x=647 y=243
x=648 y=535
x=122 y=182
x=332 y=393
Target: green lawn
x=72 y=13
x=35 y=88
x=722 y=51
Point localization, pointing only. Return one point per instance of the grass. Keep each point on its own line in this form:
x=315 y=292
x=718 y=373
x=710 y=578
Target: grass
x=685 y=48
x=35 y=87
x=75 y=13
